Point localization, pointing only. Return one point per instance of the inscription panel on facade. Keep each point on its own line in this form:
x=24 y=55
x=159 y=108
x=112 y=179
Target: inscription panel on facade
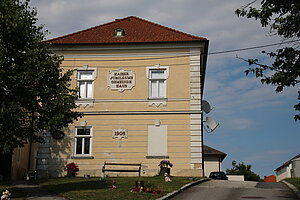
x=121 y=79
x=119 y=133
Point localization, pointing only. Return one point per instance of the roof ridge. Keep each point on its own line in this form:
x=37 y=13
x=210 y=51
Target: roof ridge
x=85 y=30
x=162 y=26
x=123 y=19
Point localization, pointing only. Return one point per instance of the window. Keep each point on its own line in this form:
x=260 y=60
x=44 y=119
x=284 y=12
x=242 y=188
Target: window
x=83 y=140
x=119 y=32
x=157 y=140
x=157 y=81
x=85 y=80
x=157 y=84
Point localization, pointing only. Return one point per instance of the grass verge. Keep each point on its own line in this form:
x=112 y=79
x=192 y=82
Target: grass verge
x=294 y=181
x=93 y=188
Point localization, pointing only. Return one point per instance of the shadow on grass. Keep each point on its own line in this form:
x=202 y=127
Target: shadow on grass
x=17 y=194
x=64 y=185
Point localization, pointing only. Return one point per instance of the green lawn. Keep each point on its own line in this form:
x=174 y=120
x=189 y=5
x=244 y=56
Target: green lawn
x=16 y=193
x=93 y=188
x=294 y=181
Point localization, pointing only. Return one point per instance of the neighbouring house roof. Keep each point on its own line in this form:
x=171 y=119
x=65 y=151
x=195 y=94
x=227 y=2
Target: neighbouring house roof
x=135 y=30
x=211 y=151
x=287 y=162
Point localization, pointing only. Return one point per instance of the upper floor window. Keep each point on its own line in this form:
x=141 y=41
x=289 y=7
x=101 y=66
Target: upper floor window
x=157 y=81
x=157 y=84
x=85 y=79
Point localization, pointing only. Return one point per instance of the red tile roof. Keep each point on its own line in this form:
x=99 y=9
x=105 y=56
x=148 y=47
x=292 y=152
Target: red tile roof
x=136 y=30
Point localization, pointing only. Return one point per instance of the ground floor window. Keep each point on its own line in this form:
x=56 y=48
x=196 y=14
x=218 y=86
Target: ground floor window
x=157 y=140
x=83 y=140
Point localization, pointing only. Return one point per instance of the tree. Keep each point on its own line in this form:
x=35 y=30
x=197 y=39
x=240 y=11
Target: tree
x=283 y=19
x=242 y=169
x=35 y=92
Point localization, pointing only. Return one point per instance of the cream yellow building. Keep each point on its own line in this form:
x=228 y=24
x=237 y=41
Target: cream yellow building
x=140 y=90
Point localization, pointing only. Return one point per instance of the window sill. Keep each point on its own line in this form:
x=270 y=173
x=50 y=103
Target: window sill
x=157 y=157
x=157 y=101
x=85 y=102
x=82 y=157
x=158 y=98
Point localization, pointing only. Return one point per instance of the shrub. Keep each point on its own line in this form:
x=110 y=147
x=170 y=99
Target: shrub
x=72 y=169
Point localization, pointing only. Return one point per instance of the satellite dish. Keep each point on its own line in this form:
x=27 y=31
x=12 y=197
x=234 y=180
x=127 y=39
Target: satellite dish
x=211 y=124
x=206 y=106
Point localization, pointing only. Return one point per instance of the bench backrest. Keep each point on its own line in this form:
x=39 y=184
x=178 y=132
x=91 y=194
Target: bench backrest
x=126 y=164
x=114 y=168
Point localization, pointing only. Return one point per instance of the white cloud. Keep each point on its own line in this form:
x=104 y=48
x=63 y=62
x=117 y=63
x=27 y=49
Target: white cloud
x=268 y=156
x=235 y=96
x=237 y=124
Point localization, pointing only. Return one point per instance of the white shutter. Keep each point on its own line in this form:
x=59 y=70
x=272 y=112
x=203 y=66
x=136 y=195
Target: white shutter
x=154 y=88
x=82 y=90
x=161 y=88
x=157 y=140
x=89 y=88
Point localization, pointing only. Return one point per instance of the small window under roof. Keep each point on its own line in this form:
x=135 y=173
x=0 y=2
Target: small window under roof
x=119 y=32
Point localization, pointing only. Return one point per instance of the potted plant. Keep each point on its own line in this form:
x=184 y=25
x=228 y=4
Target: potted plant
x=165 y=167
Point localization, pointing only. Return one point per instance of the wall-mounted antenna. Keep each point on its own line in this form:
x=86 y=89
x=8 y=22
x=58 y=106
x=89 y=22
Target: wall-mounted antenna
x=211 y=124
x=206 y=106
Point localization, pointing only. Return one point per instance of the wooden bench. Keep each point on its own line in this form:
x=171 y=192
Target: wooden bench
x=116 y=167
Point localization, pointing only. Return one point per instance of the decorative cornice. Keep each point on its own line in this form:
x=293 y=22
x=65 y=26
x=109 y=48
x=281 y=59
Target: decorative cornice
x=142 y=112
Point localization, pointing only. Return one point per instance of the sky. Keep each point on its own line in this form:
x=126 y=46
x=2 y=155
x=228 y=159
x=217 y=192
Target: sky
x=256 y=123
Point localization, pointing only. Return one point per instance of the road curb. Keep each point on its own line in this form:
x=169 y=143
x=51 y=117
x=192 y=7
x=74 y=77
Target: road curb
x=186 y=186
x=292 y=187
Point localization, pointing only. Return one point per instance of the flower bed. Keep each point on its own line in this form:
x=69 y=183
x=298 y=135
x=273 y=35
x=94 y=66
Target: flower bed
x=72 y=169
x=146 y=190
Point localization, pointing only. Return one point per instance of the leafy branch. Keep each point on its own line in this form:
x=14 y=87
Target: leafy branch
x=283 y=18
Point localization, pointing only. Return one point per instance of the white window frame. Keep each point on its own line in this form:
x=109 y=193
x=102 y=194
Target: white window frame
x=76 y=136
x=151 y=80
x=86 y=68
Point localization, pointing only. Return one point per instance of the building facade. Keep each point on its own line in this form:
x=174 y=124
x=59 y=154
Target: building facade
x=140 y=88
x=290 y=169
x=212 y=160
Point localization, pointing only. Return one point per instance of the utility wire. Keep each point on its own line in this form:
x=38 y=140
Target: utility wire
x=183 y=55
x=124 y=66
x=249 y=48
x=135 y=59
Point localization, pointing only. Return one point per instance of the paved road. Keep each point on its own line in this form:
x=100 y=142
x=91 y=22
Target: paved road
x=237 y=190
